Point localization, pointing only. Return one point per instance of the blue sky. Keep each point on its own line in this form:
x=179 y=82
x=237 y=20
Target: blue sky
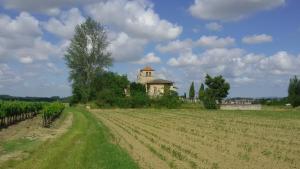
x=254 y=44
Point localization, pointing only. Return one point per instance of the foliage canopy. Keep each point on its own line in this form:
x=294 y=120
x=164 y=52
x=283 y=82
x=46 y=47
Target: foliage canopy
x=217 y=89
x=294 y=92
x=86 y=56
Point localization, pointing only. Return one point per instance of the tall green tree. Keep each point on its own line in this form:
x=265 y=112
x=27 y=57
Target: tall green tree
x=137 y=88
x=192 y=91
x=86 y=56
x=294 y=92
x=201 y=92
x=110 y=88
x=217 y=88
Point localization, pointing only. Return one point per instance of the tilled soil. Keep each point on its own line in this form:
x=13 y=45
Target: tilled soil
x=199 y=139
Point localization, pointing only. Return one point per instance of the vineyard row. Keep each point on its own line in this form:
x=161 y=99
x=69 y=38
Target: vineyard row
x=12 y=112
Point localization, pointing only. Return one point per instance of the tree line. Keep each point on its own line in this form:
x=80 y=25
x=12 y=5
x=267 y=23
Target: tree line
x=89 y=61
x=211 y=96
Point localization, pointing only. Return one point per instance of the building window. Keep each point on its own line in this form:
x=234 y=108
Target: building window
x=149 y=73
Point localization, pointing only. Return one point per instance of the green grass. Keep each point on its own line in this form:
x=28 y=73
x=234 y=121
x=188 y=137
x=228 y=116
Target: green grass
x=23 y=144
x=86 y=145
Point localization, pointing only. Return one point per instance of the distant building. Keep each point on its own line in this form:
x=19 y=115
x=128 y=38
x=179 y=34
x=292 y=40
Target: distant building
x=240 y=104
x=154 y=87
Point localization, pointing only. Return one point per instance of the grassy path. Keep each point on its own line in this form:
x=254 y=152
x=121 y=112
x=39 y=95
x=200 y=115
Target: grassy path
x=85 y=145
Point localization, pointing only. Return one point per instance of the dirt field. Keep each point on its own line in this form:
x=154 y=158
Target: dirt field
x=18 y=140
x=181 y=139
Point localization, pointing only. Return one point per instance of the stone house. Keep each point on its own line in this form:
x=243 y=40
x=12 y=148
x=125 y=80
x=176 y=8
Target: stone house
x=154 y=87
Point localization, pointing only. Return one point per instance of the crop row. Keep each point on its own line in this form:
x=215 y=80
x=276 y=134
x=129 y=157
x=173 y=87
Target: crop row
x=207 y=140
x=50 y=112
x=12 y=112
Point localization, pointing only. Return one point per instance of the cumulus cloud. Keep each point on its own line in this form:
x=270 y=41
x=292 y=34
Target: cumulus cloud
x=256 y=39
x=214 y=26
x=21 y=38
x=53 y=68
x=184 y=59
x=238 y=65
x=19 y=31
x=215 y=42
x=149 y=58
x=8 y=76
x=226 y=10
x=64 y=26
x=176 y=46
x=125 y=48
x=136 y=18
x=47 y=7
x=281 y=63
x=243 y=80
x=185 y=46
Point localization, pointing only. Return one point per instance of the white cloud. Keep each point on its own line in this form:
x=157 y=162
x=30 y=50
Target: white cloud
x=47 y=7
x=149 y=58
x=256 y=39
x=126 y=48
x=214 y=26
x=225 y=10
x=53 y=68
x=184 y=59
x=26 y=59
x=53 y=12
x=19 y=31
x=243 y=80
x=176 y=46
x=20 y=38
x=237 y=65
x=185 y=46
x=65 y=25
x=7 y=76
x=137 y=18
x=215 y=42
x=281 y=63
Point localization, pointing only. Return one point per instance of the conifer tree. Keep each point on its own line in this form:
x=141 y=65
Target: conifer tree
x=201 y=92
x=192 y=91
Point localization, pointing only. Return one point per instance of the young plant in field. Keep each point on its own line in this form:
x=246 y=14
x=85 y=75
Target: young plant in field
x=12 y=112
x=51 y=112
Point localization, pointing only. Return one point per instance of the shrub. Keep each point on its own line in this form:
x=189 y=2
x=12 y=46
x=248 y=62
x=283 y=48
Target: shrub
x=209 y=101
x=168 y=100
x=137 y=88
x=139 y=100
x=294 y=92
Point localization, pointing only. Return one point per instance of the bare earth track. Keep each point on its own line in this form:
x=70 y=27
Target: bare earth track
x=206 y=139
x=30 y=130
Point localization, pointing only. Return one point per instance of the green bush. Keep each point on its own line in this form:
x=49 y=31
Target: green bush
x=294 y=92
x=123 y=102
x=209 y=102
x=139 y=100
x=168 y=100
